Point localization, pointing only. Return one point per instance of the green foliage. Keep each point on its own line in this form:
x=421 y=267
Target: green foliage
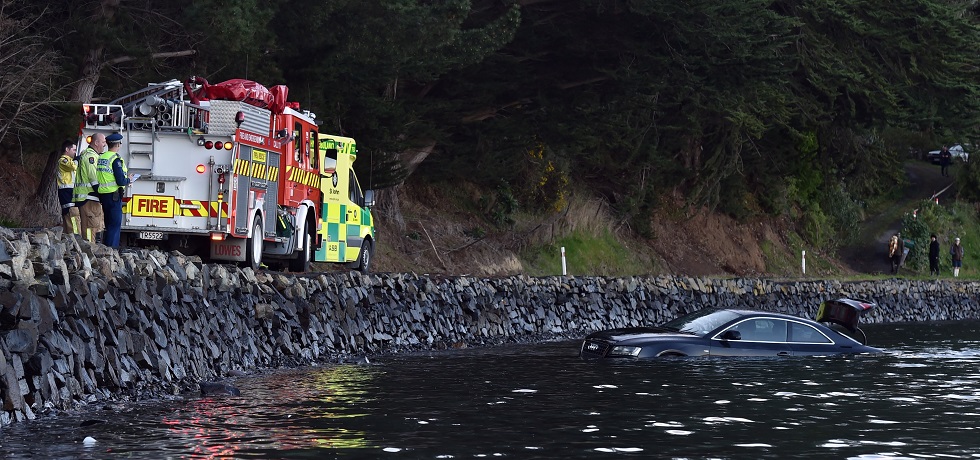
x=500 y=207
x=778 y=261
x=238 y=37
x=803 y=109
x=843 y=214
x=916 y=231
x=585 y=254
x=546 y=181
x=968 y=180
x=947 y=222
x=736 y=200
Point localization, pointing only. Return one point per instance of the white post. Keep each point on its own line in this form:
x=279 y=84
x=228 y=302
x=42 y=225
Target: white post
x=803 y=262
x=564 y=271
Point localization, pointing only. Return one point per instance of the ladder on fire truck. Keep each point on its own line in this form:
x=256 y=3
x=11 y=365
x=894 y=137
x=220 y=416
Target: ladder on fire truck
x=141 y=132
x=145 y=112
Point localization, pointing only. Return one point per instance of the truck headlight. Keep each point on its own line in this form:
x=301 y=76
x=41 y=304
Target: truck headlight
x=624 y=351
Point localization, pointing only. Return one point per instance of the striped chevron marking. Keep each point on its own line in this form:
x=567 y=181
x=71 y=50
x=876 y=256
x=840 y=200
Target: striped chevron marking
x=256 y=170
x=308 y=178
x=168 y=206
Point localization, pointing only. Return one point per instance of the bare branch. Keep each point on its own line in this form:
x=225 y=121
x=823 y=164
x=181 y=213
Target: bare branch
x=163 y=55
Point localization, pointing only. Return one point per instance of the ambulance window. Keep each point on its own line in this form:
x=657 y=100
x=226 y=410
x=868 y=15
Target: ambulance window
x=298 y=142
x=355 y=190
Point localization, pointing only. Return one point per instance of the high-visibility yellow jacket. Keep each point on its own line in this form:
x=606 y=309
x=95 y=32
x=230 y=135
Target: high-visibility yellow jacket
x=86 y=179
x=106 y=178
x=66 y=172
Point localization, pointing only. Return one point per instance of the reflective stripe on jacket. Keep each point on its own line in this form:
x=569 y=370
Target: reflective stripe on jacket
x=85 y=177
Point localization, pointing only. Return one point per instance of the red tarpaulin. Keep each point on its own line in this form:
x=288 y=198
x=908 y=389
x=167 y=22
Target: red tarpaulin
x=247 y=91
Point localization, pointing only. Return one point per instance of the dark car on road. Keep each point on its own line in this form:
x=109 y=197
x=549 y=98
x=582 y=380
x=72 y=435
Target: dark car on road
x=732 y=332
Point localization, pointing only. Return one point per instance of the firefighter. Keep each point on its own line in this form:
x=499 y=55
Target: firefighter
x=66 y=185
x=113 y=178
x=91 y=219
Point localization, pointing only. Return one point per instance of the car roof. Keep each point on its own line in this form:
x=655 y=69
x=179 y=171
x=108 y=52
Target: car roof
x=748 y=313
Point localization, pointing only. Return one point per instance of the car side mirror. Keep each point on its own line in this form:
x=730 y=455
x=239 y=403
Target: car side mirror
x=731 y=335
x=368 y=198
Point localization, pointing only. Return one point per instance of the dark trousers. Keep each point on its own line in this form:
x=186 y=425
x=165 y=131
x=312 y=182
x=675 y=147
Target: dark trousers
x=945 y=170
x=65 y=196
x=112 y=208
x=896 y=259
x=934 y=266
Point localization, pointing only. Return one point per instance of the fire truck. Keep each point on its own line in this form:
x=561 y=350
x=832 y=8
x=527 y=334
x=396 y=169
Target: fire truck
x=233 y=172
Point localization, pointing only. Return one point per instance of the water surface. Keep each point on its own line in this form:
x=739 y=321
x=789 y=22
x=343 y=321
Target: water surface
x=919 y=400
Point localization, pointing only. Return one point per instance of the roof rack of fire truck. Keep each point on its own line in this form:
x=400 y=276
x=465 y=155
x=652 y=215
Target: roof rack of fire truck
x=160 y=107
x=139 y=102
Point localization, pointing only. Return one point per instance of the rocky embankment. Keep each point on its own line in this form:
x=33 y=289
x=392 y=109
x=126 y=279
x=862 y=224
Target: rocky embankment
x=81 y=323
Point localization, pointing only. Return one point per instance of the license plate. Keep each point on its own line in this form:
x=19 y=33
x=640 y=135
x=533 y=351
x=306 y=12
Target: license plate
x=151 y=235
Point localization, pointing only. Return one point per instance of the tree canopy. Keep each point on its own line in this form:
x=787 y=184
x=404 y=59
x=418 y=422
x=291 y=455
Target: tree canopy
x=764 y=106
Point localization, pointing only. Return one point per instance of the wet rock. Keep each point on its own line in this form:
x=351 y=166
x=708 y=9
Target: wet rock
x=219 y=389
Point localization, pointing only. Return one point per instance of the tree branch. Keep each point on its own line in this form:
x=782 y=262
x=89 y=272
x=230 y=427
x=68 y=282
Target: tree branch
x=163 y=55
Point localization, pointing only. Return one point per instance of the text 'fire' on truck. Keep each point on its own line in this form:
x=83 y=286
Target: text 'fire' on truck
x=233 y=172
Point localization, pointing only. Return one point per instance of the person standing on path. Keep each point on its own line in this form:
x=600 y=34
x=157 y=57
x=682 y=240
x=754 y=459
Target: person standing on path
x=86 y=192
x=933 y=255
x=956 y=252
x=945 y=159
x=895 y=252
x=113 y=179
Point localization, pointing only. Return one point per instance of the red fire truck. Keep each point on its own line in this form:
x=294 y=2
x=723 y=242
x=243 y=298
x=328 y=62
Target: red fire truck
x=233 y=172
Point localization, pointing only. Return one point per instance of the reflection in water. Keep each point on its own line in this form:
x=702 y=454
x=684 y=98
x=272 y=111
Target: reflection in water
x=919 y=400
x=284 y=411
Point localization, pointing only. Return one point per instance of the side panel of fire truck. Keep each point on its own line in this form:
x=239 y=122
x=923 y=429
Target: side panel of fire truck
x=348 y=225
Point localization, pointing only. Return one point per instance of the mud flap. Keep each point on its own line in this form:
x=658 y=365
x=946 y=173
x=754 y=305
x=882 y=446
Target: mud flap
x=230 y=249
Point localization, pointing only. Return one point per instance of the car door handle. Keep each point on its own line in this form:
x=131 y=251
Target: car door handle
x=783 y=353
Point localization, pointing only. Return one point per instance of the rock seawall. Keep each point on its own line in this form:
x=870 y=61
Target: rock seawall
x=80 y=323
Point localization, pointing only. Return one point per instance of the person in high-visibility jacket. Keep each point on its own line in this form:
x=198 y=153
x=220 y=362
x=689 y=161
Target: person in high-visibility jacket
x=113 y=178
x=91 y=219
x=66 y=186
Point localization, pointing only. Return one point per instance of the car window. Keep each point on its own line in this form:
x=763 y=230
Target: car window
x=700 y=322
x=761 y=330
x=804 y=333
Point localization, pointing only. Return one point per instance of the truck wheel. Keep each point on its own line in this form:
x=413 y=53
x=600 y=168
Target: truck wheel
x=302 y=261
x=363 y=263
x=253 y=248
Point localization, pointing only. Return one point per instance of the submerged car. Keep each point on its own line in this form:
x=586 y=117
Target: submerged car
x=731 y=332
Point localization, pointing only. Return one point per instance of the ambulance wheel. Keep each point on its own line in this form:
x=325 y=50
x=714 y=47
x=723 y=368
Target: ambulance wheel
x=253 y=248
x=363 y=262
x=302 y=261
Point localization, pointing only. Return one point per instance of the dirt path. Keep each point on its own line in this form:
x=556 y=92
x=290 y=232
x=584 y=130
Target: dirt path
x=867 y=253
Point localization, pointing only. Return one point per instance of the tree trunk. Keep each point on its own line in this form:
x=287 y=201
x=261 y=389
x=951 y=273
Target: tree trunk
x=89 y=77
x=46 y=194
